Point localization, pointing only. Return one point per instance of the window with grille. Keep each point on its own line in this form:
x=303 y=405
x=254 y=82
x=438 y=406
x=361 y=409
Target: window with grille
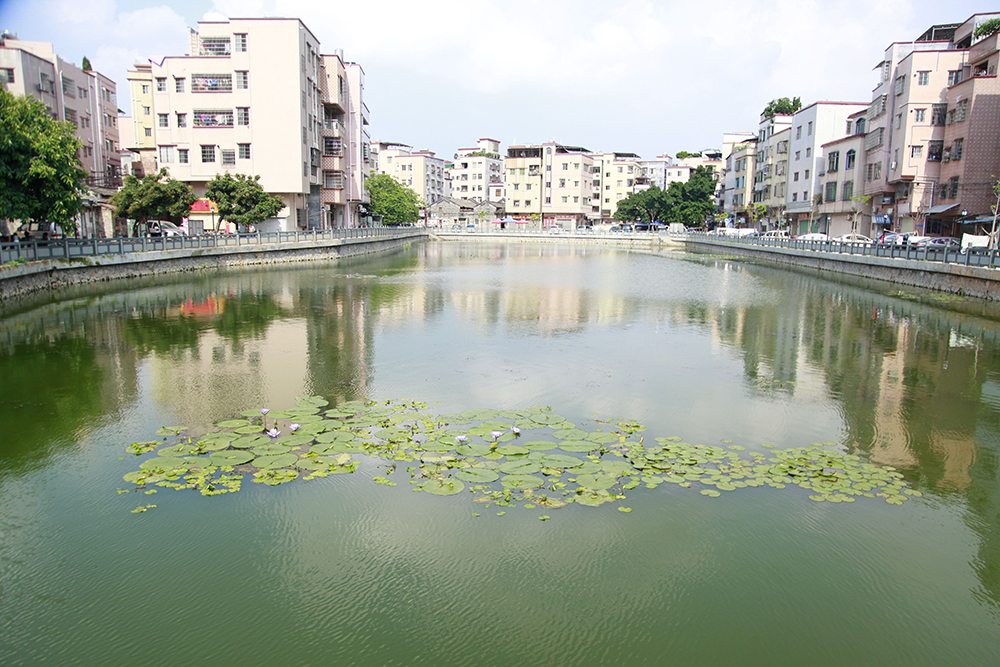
x=228 y=157
x=956 y=149
x=179 y=85
x=848 y=190
x=833 y=161
x=215 y=46
x=210 y=83
x=953 y=187
x=213 y=118
x=166 y=154
x=850 y=158
x=161 y=84
x=333 y=180
x=241 y=42
x=831 y=191
x=242 y=80
x=938 y=113
x=208 y=153
x=935 y=150
x=182 y=155
x=244 y=151
x=182 y=120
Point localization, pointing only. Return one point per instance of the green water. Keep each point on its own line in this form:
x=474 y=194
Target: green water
x=344 y=571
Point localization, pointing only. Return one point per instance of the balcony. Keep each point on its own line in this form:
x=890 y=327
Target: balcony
x=333 y=127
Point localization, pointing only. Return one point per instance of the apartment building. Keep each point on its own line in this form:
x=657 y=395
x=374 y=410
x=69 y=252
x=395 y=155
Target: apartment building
x=841 y=181
x=84 y=98
x=549 y=185
x=252 y=96
x=344 y=141
x=475 y=170
x=970 y=152
x=738 y=178
x=811 y=127
x=422 y=170
x=614 y=177
x=770 y=133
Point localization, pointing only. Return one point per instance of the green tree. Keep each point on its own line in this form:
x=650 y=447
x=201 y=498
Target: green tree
x=40 y=173
x=396 y=203
x=86 y=64
x=782 y=105
x=695 y=198
x=755 y=212
x=683 y=154
x=242 y=200
x=646 y=206
x=155 y=197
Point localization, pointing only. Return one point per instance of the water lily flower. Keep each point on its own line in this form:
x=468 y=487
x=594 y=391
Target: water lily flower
x=264 y=411
x=515 y=430
x=294 y=427
x=274 y=433
x=461 y=438
x=496 y=434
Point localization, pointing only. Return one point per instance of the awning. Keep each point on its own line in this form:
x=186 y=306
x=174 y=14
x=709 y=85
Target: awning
x=940 y=208
x=881 y=220
x=977 y=220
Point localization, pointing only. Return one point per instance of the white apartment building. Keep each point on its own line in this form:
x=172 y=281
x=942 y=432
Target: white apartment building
x=88 y=100
x=549 y=185
x=249 y=98
x=422 y=170
x=811 y=127
x=615 y=177
x=765 y=179
x=475 y=170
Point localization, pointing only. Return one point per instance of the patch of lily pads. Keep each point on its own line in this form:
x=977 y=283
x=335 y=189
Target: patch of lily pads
x=530 y=458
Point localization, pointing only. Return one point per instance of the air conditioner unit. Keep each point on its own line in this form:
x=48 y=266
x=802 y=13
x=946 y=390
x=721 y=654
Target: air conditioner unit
x=892 y=165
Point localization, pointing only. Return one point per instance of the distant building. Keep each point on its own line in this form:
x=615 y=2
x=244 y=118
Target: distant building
x=842 y=180
x=88 y=100
x=422 y=170
x=549 y=185
x=474 y=170
x=615 y=177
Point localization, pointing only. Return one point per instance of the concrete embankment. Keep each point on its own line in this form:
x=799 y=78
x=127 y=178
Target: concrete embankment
x=19 y=280
x=951 y=278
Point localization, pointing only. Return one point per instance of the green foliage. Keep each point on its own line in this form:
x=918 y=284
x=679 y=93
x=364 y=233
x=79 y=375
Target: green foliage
x=782 y=105
x=241 y=199
x=689 y=203
x=396 y=203
x=986 y=29
x=155 y=197
x=683 y=154
x=40 y=173
x=755 y=212
x=86 y=64
x=478 y=154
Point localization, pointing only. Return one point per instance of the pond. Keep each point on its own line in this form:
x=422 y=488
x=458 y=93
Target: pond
x=804 y=470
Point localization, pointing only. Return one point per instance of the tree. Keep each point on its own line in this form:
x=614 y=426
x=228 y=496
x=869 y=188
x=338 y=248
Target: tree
x=683 y=154
x=86 y=64
x=646 y=206
x=755 y=212
x=782 y=105
x=986 y=29
x=859 y=203
x=690 y=203
x=155 y=197
x=40 y=173
x=396 y=203
x=242 y=200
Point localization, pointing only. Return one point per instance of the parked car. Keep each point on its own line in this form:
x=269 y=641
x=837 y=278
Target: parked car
x=776 y=234
x=812 y=236
x=40 y=232
x=944 y=242
x=159 y=228
x=854 y=239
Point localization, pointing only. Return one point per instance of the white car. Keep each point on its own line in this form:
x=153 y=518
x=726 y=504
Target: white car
x=812 y=236
x=854 y=239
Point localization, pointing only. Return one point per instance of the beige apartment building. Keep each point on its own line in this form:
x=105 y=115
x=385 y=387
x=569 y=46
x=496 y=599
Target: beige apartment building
x=773 y=130
x=614 y=177
x=475 y=170
x=738 y=179
x=257 y=97
x=842 y=180
x=422 y=170
x=549 y=185
x=87 y=100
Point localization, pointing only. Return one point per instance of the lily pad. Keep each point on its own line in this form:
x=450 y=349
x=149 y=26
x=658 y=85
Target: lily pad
x=232 y=423
x=520 y=467
x=539 y=445
x=231 y=457
x=477 y=475
x=547 y=419
x=473 y=449
x=476 y=415
x=443 y=487
x=511 y=450
x=522 y=481
x=275 y=461
x=596 y=482
x=579 y=446
x=561 y=461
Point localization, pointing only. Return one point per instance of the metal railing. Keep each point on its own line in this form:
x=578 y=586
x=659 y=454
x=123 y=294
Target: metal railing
x=972 y=256
x=35 y=250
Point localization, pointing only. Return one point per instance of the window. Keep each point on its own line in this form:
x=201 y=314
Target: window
x=7 y=74
x=242 y=80
x=148 y=131
x=213 y=118
x=562 y=182
x=899 y=121
x=161 y=84
x=242 y=115
x=81 y=93
x=166 y=154
x=831 y=191
x=833 y=161
x=215 y=46
x=934 y=150
x=527 y=186
x=182 y=120
x=163 y=119
x=809 y=152
x=145 y=89
x=798 y=154
x=208 y=153
x=527 y=202
x=178 y=85
x=565 y=200
x=954 y=77
x=961 y=110
x=333 y=146
x=848 y=190
x=898 y=85
x=919 y=115
x=795 y=196
x=798 y=132
x=211 y=83
x=923 y=78
x=795 y=176
x=182 y=155
x=877 y=172
x=916 y=151
x=938 y=113
x=241 y=42
x=805 y=176
x=228 y=157
x=146 y=111
x=956 y=149
x=953 y=186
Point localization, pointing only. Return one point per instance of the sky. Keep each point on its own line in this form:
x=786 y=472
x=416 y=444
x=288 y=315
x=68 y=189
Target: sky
x=640 y=76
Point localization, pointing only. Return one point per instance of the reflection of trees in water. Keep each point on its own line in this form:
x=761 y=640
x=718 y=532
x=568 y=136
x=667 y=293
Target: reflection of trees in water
x=246 y=315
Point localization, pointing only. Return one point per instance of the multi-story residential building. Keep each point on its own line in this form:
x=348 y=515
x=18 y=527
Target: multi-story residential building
x=661 y=172
x=970 y=154
x=85 y=98
x=344 y=138
x=841 y=181
x=422 y=170
x=811 y=127
x=549 y=185
x=615 y=176
x=251 y=97
x=738 y=178
x=765 y=182
x=141 y=140
x=776 y=204
x=476 y=169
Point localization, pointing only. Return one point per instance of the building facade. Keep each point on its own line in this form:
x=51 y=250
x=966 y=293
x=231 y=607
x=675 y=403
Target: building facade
x=549 y=185
x=475 y=170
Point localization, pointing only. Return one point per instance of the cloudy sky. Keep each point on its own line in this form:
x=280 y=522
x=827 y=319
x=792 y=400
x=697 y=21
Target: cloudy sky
x=644 y=76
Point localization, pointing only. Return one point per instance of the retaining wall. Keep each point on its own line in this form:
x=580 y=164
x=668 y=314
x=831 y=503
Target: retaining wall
x=20 y=280
x=980 y=282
